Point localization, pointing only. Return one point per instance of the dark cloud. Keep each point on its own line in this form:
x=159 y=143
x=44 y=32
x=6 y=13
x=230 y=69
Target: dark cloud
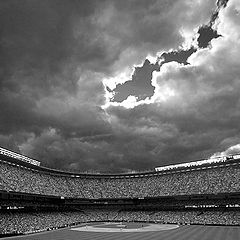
x=206 y=34
x=54 y=56
x=140 y=84
x=222 y=3
x=202 y=116
x=34 y=41
x=179 y=56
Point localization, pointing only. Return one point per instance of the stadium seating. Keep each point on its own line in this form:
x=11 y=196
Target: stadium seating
x=23 y=217
x=218 y=179
x=20 y=222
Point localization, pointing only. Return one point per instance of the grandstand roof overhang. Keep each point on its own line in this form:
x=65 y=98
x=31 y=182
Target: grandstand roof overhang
x=183 y=167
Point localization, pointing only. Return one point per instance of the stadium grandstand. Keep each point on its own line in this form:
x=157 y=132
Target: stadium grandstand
x=35 y=198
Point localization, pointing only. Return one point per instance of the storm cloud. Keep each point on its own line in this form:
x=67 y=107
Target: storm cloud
x=57 y=56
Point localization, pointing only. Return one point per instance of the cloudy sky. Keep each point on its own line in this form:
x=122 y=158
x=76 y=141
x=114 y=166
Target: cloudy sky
x=119 y=85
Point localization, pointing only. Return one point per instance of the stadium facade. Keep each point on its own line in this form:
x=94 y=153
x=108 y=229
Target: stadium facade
x=202 y=192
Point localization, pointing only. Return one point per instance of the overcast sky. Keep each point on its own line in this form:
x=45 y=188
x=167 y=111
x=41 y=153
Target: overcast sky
x=119 y=85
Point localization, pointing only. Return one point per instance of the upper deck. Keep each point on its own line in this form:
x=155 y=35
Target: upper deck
x=30 y=163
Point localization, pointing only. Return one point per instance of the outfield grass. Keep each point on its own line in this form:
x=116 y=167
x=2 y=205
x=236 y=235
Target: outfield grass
x=192 y=232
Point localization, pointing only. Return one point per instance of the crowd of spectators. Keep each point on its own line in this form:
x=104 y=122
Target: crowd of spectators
x=185 y=217
x=206 y=181
x=21 y=223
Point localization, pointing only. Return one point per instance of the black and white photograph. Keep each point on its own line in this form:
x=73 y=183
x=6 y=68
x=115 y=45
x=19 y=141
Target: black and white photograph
x=119 y=119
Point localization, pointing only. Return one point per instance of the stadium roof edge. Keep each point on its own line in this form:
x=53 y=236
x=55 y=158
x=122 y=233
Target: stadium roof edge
x=199 y=162
x=168 y=168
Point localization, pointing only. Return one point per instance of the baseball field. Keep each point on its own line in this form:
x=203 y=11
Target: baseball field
x=137 y=231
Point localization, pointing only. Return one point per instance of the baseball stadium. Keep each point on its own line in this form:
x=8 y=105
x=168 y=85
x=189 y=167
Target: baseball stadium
x=194 y=200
